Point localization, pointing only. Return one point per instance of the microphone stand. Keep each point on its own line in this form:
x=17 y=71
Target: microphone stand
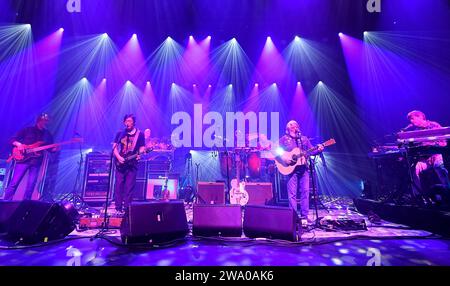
x=312 y=172
x=227 y=198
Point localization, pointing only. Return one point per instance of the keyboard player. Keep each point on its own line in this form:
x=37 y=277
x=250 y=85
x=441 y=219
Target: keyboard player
x=418 y=121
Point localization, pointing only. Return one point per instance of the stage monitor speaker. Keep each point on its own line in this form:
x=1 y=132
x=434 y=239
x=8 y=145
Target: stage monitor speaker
x=259 y=193
x=154 y=222
x=217 y=220
x=210 y=193
x=270 y=222
x=7 y=208
x=36 y=221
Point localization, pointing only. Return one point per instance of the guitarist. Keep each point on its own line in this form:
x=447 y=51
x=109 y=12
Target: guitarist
x=299 y=178
x=128 y=142
x=28 y=136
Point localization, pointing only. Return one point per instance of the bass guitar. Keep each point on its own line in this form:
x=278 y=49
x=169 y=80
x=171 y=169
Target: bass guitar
x=34 y=150
x=288 y=161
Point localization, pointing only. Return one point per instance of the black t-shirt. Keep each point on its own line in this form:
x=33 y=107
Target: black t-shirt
x=125 y=142
x=31 y=135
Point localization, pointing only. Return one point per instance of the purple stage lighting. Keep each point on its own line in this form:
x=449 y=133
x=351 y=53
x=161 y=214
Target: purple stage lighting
x=61 y=30
x=340 y=34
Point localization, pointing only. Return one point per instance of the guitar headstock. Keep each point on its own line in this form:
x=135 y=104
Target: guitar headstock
x=329 y=142
x=77 y=140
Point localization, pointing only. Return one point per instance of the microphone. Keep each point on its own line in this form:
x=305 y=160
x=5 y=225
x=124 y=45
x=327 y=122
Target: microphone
x=407 y=127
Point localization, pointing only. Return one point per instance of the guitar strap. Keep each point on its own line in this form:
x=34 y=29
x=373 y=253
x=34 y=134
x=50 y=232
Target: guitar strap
x=135 y=139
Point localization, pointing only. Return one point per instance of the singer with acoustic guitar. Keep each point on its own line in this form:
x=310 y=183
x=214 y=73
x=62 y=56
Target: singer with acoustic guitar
x=299 y=177
x=127 y=147
x=36 y=135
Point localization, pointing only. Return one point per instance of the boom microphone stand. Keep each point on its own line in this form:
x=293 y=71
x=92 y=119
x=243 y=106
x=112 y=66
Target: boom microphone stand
x=74 y=196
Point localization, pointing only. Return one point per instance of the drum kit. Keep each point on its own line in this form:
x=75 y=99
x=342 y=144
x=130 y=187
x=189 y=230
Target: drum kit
x=254 y=162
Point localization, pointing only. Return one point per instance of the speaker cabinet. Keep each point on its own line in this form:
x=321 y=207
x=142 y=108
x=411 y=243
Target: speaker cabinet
x=217 y=220
x=259 y=193
x=270 y=222
x=154 y=222
x=35 y=221
x=7 y=209
x=210 y=193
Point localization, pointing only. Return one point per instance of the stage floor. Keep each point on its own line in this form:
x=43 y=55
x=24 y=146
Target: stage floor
x=385 y=244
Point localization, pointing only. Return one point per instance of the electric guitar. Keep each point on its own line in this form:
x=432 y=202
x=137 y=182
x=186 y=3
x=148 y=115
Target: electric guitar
x=288 y=161
x=238 y=194
x=130 y=159
x=34 y=150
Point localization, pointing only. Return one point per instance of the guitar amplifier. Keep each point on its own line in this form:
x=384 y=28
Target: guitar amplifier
x=210 y=193
x=259 y=193
x=97 y=177
x=156 y=184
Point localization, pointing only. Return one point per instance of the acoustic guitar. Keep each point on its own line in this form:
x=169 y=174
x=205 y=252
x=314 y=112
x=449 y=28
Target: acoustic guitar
x=288 y=161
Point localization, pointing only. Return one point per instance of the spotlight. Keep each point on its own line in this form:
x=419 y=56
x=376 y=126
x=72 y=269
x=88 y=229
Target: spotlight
x=61 y=30
x=297 y=38
x=366 y=33
x=134 y=36
x=105 y=35
x=28 y=26
x=230 y=85
x=340 y=34
x=191 y=37
x=320 y=82
x=209 y=85
x=128 y=82
x=194 y=85
x=256 y=84
x=209 y=37
x=173 y=84
x=298 y=83
x=148 y=82
x=169 y=38
x=233 y=40
x=269 y=38
x=274 y=84
x=104 y=79
x=84 y=79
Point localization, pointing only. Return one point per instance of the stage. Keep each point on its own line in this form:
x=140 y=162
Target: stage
x=382 y=244
x=224 y=133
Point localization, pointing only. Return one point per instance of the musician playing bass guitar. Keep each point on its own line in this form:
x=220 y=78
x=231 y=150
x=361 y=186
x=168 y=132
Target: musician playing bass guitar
x=26 y=137
x=299 y=178
x=128 y=143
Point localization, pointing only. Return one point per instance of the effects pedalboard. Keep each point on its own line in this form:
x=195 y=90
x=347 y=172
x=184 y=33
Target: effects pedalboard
x=98 y=222
x=343 y=224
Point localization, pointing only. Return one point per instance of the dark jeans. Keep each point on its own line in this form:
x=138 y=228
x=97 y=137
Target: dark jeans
x=123 y=192
x=299 y=179
x=19 y=171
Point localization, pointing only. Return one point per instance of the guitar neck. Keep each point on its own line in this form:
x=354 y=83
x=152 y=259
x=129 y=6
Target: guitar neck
x=37 y=149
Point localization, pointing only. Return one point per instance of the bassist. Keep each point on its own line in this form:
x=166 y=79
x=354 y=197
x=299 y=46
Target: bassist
x=127 y=143
x=28 y=136
x=299 y=178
